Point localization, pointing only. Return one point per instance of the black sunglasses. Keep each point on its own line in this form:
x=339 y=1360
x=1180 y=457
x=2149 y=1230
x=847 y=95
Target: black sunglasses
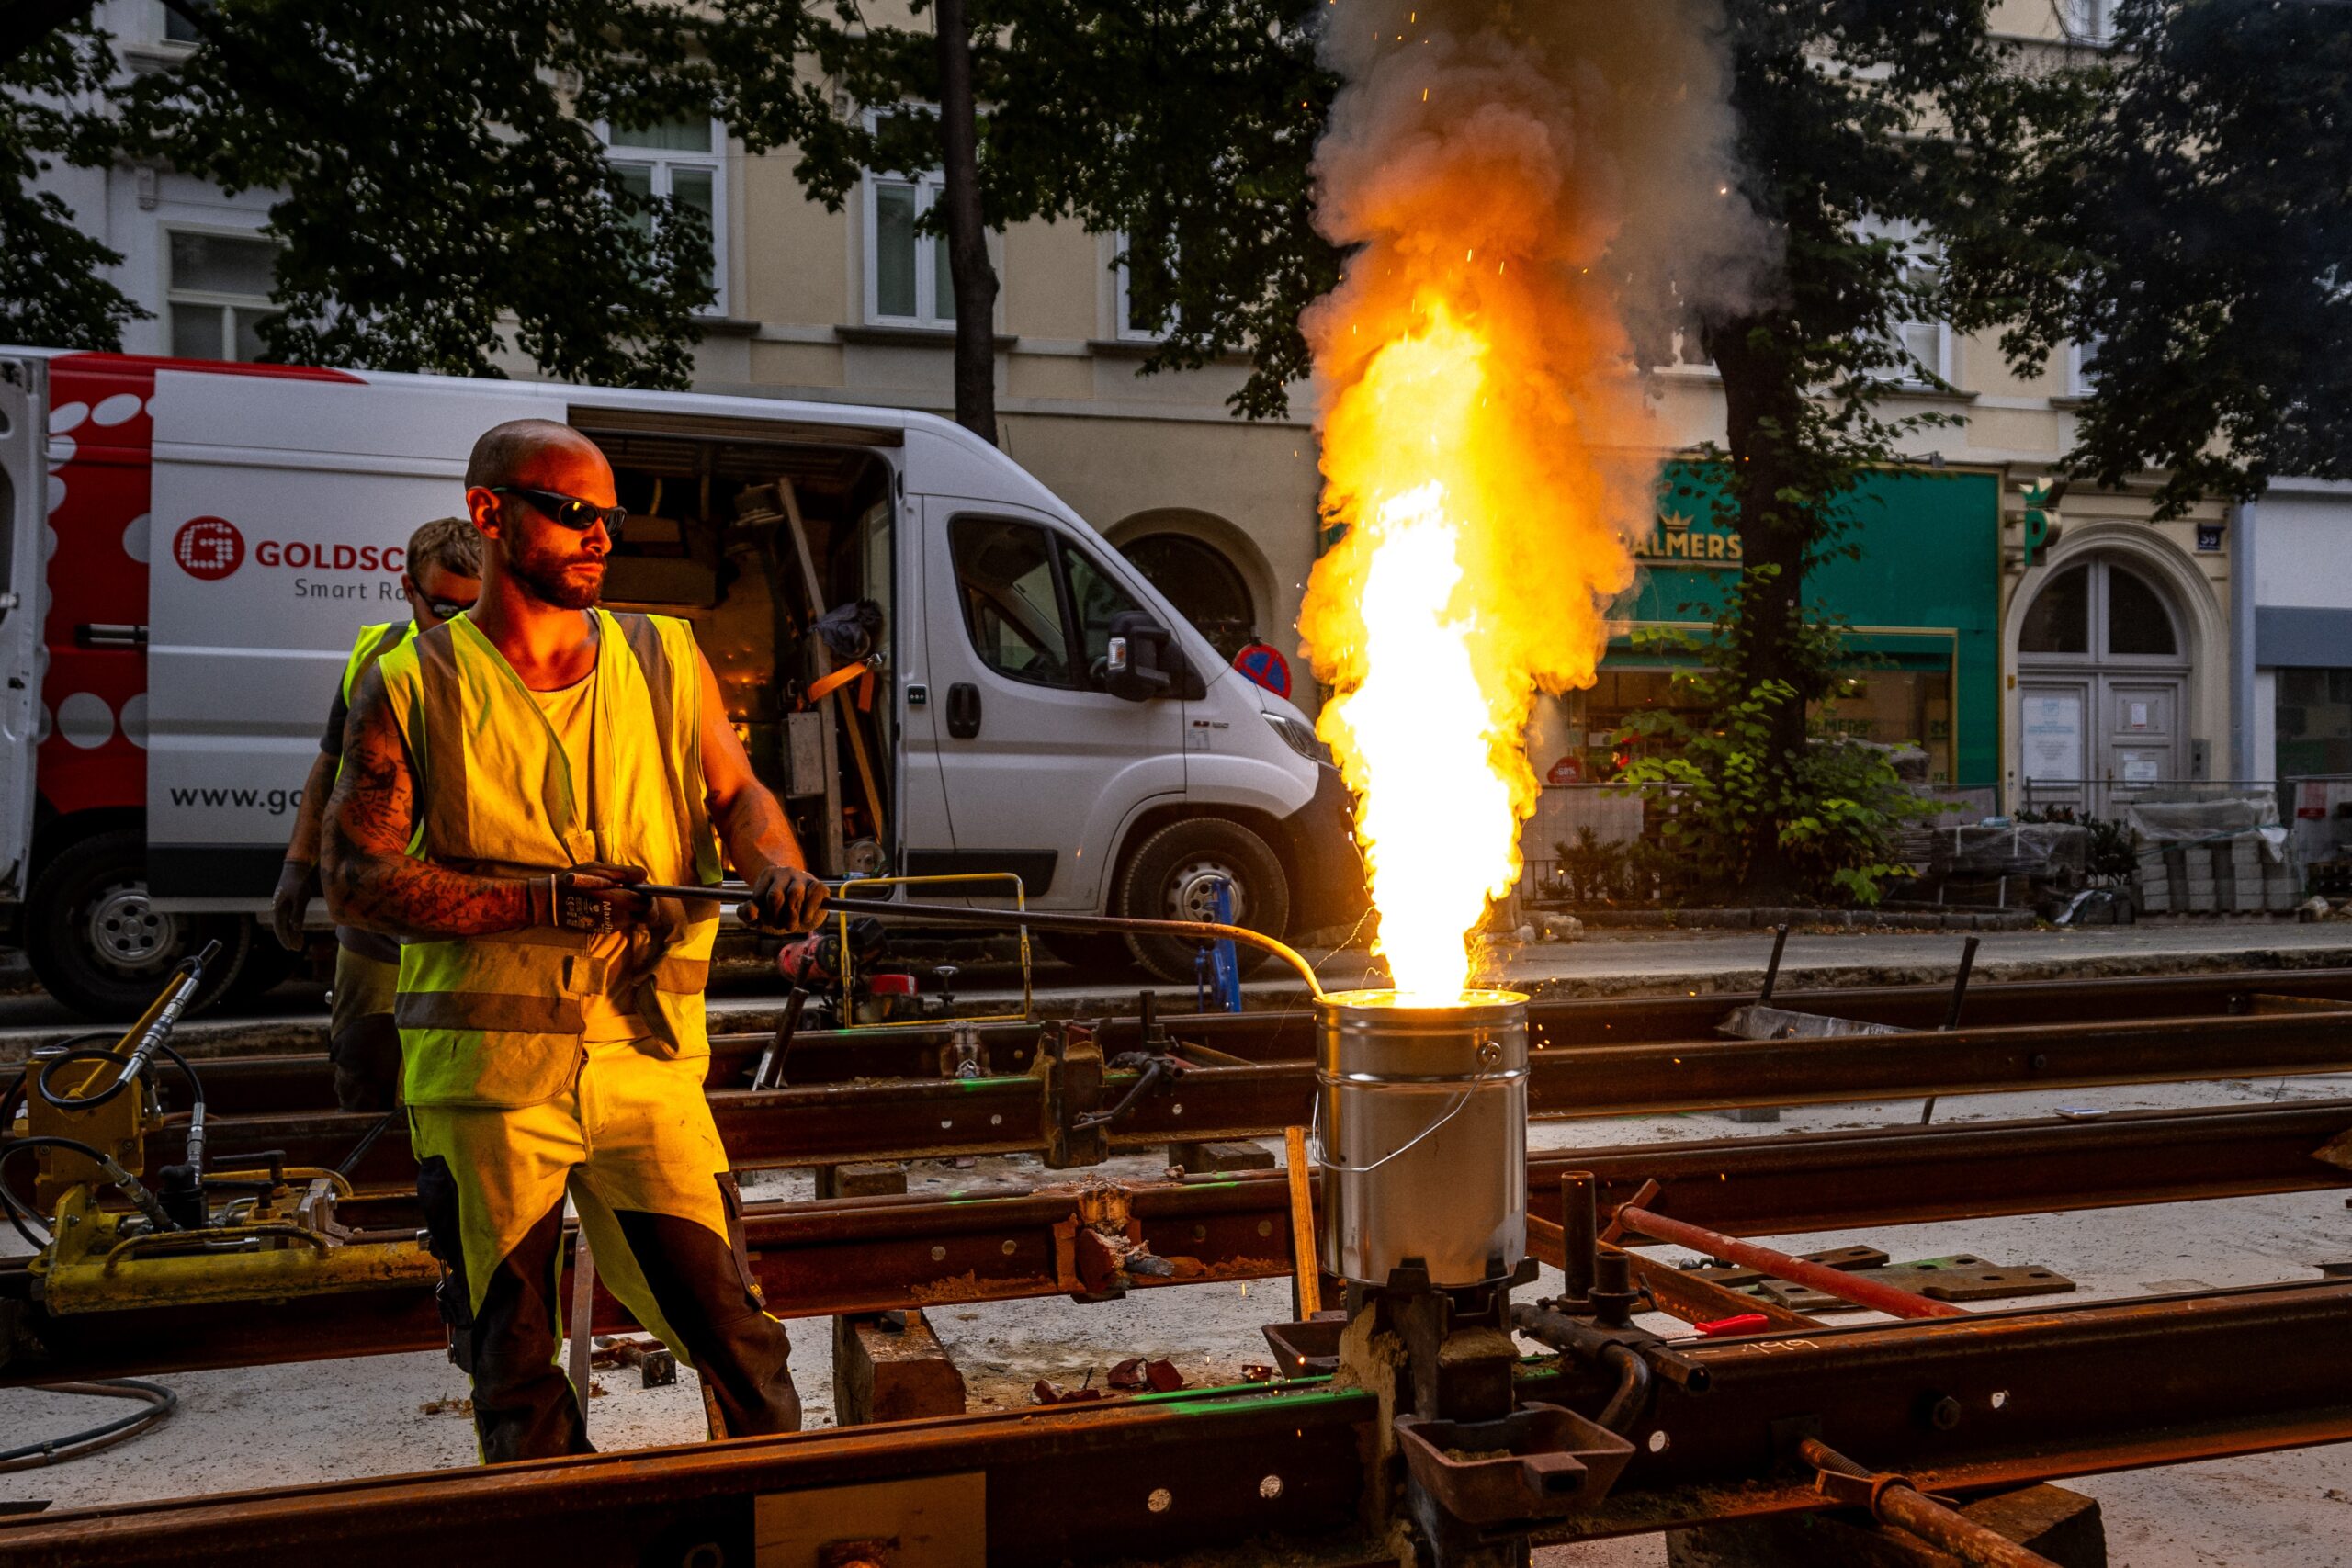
x=570 y=511
x=448 y=609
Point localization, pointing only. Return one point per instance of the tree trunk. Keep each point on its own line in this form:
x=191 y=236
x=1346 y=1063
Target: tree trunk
x=1763 y=408
x=967 y=249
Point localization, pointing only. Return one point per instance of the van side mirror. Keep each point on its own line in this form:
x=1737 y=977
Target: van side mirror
x=1135 y=667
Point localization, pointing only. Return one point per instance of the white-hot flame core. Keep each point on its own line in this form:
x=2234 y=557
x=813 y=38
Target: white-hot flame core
x=1436 y=823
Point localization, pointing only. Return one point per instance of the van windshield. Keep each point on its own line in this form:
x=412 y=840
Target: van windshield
x=1097 y=597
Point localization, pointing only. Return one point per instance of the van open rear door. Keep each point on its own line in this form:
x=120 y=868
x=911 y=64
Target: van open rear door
x=24 y=508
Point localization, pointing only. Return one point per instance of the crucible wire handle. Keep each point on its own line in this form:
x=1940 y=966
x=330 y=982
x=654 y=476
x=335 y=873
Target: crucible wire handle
x=1405 y=1148
x=1461 y=1099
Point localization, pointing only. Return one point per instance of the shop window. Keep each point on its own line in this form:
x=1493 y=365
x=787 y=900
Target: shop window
x=2314 y=717
x=2137 y=621
x=2059 y=621
x=1201 y=584
x=683 y=160
x=1892 y=707
x=1882 y=706
x=218 y=293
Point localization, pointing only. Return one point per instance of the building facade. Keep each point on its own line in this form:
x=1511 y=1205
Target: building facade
x=2102 y=659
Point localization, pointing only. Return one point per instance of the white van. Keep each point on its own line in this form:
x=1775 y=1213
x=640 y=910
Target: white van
x=192 y=547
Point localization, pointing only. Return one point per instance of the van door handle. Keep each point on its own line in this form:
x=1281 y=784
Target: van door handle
x=963 y=710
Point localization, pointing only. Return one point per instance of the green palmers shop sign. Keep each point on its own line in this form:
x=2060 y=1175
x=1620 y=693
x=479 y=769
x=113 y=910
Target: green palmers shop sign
x=1920 y=598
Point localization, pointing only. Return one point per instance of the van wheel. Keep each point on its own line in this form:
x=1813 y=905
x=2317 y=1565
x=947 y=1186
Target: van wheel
x=98 y=946
x=1173 y=878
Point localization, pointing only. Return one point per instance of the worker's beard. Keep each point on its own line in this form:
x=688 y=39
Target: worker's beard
x=552 y=577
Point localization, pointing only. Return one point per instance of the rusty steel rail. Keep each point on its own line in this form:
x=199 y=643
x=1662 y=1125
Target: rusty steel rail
x=1998 y=1399
x=828 y=1124
x=877 y=1254
x=303 y=1083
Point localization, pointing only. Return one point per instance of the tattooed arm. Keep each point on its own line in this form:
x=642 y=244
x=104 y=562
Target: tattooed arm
x=372 y=881
x=750 y=821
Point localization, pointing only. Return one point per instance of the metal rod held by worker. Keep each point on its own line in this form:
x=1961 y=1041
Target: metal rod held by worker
x=1305 y=1273
x=1872 y=1294
x=959 y=915
x=1951 y=1018
x=1772 y=965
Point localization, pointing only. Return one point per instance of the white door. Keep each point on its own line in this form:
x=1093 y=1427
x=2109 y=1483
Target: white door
x=24 y=509
x=2055 y=734
x=2143 y=733
x=1040 y=763
x=2102 y=680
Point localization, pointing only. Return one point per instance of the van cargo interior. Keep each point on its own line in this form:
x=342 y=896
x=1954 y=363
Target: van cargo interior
x=749 y=538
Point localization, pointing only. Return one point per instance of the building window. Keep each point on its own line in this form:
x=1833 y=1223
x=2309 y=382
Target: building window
x=685 y=160
x=1926 y=345
x=178 y=29
x=2099 y=607
x=2080 y=358
x=1143 y=310
x=2090 y=21
x=907 y=279
x=218 y=296
x=1202 y=583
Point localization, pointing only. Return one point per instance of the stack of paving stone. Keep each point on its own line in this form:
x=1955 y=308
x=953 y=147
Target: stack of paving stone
x=2233 y=875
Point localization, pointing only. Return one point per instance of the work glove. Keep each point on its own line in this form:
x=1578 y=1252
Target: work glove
x=785 y=898
x=592 y=897
x=298 y=883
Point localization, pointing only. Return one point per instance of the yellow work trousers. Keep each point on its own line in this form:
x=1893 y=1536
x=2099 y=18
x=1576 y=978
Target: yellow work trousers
x=633 y=1147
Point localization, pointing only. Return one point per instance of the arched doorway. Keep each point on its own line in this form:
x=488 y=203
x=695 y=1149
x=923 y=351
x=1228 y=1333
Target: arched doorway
x=2103 y=667
x=1202 y=583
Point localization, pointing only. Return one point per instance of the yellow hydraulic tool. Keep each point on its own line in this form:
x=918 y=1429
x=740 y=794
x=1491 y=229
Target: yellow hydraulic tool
x=187 y=1235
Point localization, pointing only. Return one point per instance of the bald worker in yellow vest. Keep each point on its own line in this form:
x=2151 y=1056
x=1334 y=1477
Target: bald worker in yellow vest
x=506 y=777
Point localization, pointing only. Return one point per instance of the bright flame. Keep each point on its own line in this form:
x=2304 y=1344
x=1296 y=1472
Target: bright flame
x=1485 y=438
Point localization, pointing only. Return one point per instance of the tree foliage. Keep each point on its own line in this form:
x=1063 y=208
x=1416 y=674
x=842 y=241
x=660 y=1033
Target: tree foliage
x=1185 y=125
x=441 y=205
x=1876 y=138
x=2195 y=225
x=50 y=289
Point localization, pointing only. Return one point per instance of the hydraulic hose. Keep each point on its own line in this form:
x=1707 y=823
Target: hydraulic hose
x=155 y=1027
x=160 y=1402
x=130 y=1186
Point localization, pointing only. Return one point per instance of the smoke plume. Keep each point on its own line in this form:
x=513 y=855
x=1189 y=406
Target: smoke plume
x=1516 y=184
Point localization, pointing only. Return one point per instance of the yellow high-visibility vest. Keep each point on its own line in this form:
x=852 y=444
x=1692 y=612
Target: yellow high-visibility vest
x=495 y=1020
x=374 y=642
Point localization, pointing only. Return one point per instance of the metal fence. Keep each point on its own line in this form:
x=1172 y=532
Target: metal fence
x=2316 y=809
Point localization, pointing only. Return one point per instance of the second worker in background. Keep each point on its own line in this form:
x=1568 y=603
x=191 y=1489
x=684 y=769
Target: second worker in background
x=443 y=576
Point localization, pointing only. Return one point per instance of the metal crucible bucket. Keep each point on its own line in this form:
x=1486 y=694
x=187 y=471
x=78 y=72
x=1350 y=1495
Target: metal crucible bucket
x=1421 y=1125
